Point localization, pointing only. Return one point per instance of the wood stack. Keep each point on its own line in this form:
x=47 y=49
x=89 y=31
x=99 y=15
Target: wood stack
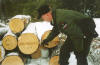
x=12 y=43
x=27 y=43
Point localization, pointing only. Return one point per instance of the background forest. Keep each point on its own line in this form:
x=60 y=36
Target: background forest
x=10 y=8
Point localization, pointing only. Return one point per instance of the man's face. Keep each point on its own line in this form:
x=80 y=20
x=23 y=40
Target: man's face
x=47 y=16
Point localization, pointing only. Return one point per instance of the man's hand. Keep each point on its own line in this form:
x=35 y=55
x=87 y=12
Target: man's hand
x=44 y=42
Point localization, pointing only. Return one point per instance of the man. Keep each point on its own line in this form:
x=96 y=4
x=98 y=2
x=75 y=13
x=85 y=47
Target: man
x=47 y=18
x=80 y=31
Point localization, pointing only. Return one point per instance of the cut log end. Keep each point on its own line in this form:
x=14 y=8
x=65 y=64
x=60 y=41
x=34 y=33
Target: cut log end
x=16 y=25
x=9 y=42
x=28 y=43
x=12 y=60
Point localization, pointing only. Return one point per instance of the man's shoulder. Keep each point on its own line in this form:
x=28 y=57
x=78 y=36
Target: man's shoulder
x=69 y=12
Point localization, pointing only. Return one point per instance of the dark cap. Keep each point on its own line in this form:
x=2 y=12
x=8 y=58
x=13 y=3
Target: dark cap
x=43 y=10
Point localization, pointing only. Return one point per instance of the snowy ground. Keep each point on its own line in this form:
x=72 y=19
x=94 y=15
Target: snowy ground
x=97 y=22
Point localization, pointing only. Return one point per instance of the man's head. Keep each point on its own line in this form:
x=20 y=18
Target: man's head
x=45 y=13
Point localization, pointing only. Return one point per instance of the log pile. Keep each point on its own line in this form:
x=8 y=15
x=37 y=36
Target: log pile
x=28 y=43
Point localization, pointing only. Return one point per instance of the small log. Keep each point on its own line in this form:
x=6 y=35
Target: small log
x=52 y=43
x=28 y=43
x=54 y=60
x=9 y=42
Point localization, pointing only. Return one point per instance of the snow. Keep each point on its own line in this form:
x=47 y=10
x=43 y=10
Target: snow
x=39 y=61
x=72 y=60
x=3 y=29
x=3 y=25
x=94 y=55
x=97 y=22
x=44 y=53
x=27 y=17
x=2 y=54
x=9 y=32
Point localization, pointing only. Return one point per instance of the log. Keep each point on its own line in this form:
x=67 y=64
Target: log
x=2 y=53
x=12 y=59
x=54 y=60
x=9 y=42
x=16 y=25
x=52 y=43
x=28 y=43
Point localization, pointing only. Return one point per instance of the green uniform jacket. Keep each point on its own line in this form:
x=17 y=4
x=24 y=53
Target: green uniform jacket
x=68 y=22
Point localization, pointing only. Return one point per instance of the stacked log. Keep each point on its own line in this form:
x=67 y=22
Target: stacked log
x=28 y=43
x=18 y=23
x=9 y=42
x=12 y=59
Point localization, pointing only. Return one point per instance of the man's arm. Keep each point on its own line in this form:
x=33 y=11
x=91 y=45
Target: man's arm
x=55 y=31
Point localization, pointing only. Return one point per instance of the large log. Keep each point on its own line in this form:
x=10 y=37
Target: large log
x=52 y=43
x=28 y=43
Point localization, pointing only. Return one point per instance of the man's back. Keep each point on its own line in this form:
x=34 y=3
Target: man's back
x=68 y=15
x=74 y=18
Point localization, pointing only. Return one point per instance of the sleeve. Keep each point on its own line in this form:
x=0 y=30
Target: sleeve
x=55 y=31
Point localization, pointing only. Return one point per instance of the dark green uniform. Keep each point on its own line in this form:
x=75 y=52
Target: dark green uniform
x=80 y=31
